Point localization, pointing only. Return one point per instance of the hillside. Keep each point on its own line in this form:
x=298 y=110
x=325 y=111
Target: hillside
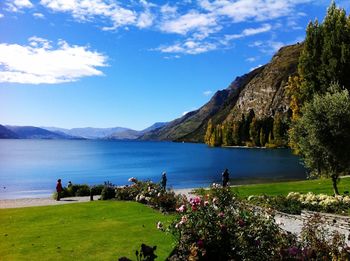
x=29 y=132
x=262 y=90
x=5 y=133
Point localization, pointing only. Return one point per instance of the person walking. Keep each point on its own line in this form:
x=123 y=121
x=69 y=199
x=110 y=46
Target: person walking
x=225 y=178
x=59 y=189
x=163 y=181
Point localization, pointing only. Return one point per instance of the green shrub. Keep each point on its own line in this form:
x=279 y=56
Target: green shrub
x=108 y=191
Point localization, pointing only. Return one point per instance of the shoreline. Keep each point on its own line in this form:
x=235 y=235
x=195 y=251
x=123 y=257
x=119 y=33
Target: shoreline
x=49 y=201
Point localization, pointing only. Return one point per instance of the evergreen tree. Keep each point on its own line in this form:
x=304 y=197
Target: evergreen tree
x=335 y=56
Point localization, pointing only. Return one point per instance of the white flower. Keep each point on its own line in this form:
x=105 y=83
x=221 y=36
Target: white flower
x=159 y=225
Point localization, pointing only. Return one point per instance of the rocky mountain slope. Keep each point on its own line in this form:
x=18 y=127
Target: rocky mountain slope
x=262 y=90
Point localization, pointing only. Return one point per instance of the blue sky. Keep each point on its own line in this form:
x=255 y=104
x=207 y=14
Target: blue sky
x=105 y=63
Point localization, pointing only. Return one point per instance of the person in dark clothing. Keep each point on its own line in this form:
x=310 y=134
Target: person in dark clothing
x=163 y=181
x=59 y=189
x=225 y=178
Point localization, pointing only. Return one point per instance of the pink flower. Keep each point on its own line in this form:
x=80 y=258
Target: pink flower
x=221 y=214
x=206 y=203
x=195 y=201
x=181 y=209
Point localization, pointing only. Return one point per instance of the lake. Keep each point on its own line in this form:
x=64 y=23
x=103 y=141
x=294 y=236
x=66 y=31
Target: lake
x=30 y=168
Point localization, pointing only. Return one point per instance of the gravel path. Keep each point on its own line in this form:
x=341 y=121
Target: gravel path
x=32 y=202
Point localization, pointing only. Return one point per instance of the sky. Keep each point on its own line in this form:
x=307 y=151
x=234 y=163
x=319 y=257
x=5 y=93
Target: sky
x=107 y=63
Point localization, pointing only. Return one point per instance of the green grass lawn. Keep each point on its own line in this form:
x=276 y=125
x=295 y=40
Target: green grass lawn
x=283 y=188
x=99 y=230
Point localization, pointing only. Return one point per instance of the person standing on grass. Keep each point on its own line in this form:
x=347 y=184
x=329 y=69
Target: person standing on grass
x=225 y=178
x=59 y=189
x=163 y=181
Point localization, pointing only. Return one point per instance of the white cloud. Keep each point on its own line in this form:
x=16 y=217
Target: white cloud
x=145 y=19
x=250 y=31
x=268 y=47
x=193 y=21
x=39 y=62
x=257 y=10
x=185 y=112
x=39 y=15
x=188 y=47
x=85 y=10
x=1 y=15
x=251 y=59
x=17 y=5
x=207 y=93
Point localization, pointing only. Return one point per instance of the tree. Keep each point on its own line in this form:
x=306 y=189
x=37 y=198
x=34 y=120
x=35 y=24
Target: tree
x=322 y=134
x=236 y=133
x=262 y=137
x=208 y=132
x=227 y=134
x=254 y=132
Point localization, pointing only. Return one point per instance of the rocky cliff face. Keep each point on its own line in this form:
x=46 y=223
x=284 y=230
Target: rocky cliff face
x=262 y=90
x=265 y=93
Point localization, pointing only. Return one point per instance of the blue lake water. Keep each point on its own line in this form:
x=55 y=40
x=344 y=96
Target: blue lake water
x=30 y=168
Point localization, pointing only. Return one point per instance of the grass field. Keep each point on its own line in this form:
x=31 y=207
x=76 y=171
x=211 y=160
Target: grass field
x=283 y=188
x=99 y=230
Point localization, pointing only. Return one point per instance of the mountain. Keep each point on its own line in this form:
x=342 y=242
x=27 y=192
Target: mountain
x=129 y=134
x=154 y=127
x=5 y=133
x=88 y=132
x=29 y=132
x=262 y=90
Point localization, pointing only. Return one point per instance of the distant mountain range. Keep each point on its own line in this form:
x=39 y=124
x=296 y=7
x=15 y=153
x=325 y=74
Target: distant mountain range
x=117 y=133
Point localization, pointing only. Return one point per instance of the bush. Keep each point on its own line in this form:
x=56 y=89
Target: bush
x=147 y=192
x=220 y=227
x=108 y=191
x=280 y=203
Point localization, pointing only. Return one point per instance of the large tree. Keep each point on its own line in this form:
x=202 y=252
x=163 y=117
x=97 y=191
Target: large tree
x=322 y=134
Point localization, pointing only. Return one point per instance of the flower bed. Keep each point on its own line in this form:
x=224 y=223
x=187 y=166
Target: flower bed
x=147 y=192
x=218 y=226
x=295 y=202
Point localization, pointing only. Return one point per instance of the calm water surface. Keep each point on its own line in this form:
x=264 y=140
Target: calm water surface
x=30 y=168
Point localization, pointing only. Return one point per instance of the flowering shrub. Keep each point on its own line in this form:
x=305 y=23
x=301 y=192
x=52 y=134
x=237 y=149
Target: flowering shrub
x=218 y=226
x=322 y=202
x=147 y=192
x=280 y=203
x=294 y=202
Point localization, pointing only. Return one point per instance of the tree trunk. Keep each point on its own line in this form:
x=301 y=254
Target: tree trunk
x=334 y=182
